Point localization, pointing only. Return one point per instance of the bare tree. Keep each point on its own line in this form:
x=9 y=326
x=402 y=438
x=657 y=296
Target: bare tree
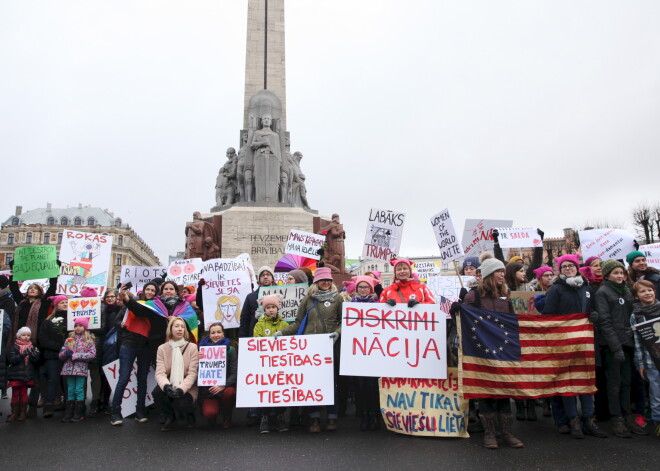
x=656 y=219
x=643 y=217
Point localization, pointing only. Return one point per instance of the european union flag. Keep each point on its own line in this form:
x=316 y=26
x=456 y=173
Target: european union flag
x=489 y=335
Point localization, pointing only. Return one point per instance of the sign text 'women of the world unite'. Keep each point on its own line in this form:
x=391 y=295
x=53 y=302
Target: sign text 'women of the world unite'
x=286 y=371
x=395 y=341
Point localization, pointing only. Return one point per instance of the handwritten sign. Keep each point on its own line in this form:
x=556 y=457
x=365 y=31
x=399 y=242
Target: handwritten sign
x=185 y=272
x=35 y=261
x=383 y=238
x=85 y=261
x=129 y=399
x=212 y=369
x=84 y=307
x=227 y=285
x=447 y=289
x=139 y=276
x=425 y=407
x=292 y=294
x=606 y=244
x=426 y=269
x=381 y=340
x=43 y=282
x=445 y=234
x=652 y=253
x=649 y=334
x=523 y=302
x=304 y=244
x=511 y=237
x=287 y=371
x=478 y=235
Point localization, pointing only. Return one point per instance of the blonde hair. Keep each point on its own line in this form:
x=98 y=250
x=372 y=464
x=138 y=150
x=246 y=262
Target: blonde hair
x=314 y=288
x=227 y=299
x=170 y=324
x=87 y=336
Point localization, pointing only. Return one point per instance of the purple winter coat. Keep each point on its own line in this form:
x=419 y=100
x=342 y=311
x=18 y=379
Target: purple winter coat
x=83 y=353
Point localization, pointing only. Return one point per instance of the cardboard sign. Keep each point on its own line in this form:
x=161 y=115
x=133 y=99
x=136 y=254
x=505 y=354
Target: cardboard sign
x=478 y=235
x=606 y=244
x=139 y=276
x=381 y=340
x=35 y=261
x=227 y=285
x=445 y=234
x=425 y=407
x=129 y=399
x=85 y=261
x=514 y=237
x=649 y=334
x=304 y=244
x=293 y=294
x=652 y=253
x=383 y=239
x=287 y=371
x=84 y=307
x=426 y=269
x=523 y=302
x=185 y=272
x=212 y=369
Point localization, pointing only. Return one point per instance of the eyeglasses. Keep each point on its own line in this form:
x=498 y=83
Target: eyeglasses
x=565 y=267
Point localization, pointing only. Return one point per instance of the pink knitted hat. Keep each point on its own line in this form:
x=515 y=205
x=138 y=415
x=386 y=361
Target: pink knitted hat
x=365 y=279
x=83 y=321
x=541 y=270
x=323 y=273
x=573 y=258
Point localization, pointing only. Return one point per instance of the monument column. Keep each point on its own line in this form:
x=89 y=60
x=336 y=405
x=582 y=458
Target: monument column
x=264 y=60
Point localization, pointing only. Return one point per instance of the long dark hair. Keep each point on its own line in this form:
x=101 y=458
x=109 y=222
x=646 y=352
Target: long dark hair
x=510 y=275
x=176 y=287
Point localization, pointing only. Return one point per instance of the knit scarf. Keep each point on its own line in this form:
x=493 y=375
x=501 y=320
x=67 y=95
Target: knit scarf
x=573 y=282
x=32 y=318
x=649 y=312
x=620 y=288
x=22 y=346
x=327 y=295
x=170 y=301
x=176 y=374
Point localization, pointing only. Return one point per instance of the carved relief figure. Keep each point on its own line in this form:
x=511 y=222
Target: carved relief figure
x=334 y=253
x=267 y=149
x=197 y=234
x=298 y=189
x=227 y=183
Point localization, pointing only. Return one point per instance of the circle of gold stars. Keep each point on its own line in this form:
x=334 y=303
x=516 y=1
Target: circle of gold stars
x=486 y=349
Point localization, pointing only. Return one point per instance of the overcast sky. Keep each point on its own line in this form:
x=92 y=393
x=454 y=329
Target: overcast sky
x=544 y=112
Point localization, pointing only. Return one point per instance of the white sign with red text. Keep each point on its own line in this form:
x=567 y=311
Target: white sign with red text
x=129 y=399
x=212 y=369
x=227 y=285
x=286 y=371
x=85 y=261
x=515 y=237
x=383 y=238
x=652 y=253
x=397 y=341
x=478 y=235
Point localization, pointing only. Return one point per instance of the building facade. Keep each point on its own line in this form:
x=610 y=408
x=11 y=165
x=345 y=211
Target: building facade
x=43 y=226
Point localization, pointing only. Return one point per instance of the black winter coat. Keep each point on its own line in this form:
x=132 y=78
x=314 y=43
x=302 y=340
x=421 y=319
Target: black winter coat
x=23 y=308
x=18 y=370
x=614 y=312
x=248 y=321
x=50 y=338
x=564 y=299
x=6 y=333
x=8 y=305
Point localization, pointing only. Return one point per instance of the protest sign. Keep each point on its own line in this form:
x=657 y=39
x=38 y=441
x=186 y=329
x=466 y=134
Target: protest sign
x=383 y=238
x=446 y=289
x=401 y=341
x=425 y=407
x=139 y=276
x=606 y=244
x=84 y=307
x=426 y=269
x=35 y=261
x=85 y=261
x=523 y=302
x=129 y=399
x=649 y=334
x=293 y=294
x=250 y=268
x=43 y=282
x=185 y=272
x=478 y=235
x=514 y=237
x=304 y=244
x=212 y=369
x=287 y=371
x=652 y=253
x=227 y=285
x=445 y=234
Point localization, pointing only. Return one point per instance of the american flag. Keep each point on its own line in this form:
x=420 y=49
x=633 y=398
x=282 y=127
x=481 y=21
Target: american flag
x=525 y=356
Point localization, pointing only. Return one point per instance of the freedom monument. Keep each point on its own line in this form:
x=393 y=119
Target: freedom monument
x=260 y=191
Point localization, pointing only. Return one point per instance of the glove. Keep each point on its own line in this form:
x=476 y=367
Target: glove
x=334 y=336
x=593 y=317
x=11 y=265
x=539 y=302
x=169 y=390
x=413 y=303
x=462 y=293
x=540 y=233
x=496 y=235
x=201 y=282
x=636 y=244
x=277 y=334
x=59 y=263
x=455 y=307
x=619 y=357
x=391 y=302
x=69 y=353
x=177 y=393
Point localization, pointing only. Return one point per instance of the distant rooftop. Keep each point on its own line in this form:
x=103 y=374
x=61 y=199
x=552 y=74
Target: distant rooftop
x=78 y=215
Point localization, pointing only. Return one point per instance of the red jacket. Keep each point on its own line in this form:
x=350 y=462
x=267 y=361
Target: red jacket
x=404 y=291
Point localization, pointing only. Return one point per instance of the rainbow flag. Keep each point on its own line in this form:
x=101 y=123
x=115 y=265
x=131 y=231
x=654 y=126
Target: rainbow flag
x=183 y=310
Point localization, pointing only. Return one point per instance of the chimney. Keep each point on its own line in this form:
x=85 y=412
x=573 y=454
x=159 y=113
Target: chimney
x=19 y=210
x=49 y=207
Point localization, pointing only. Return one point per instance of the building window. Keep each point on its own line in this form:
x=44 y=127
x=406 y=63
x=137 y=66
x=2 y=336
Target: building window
x=91 y=222
x=10 y=239
x=50 y=221
x=77 y=221
x=118 y=260
x=387 y=268
x=9 y=257
x=59 y=238
x=15 y=221
x=120 y=240
x=28 y=238
x=64 y=221
x=46 y=238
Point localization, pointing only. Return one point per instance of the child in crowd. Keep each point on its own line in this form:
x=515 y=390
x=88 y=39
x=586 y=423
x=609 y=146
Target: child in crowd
x=266 y=326
x=22 y=359
x=76 y=353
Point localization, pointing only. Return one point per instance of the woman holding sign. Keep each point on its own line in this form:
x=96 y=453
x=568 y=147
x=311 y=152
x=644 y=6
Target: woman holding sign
x=319 y=313
x=51 y=338
x=405 y=288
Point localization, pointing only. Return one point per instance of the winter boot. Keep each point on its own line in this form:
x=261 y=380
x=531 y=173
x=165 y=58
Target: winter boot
x=315 y=425
x=68 y=411
x=520 y=410
x=531 y=411
x=15 y=408
x=331 y=425
x=226 y=420
x=490 y=430
x=506 y=423
x=94 y=409
x=546 y=407
x=619 y=428
x=590 y=427
x=23 y=412
x=281 y=424
x=364 y=423
x=576 y=427
x=141 y=414
x=49 y=408
x=115 y=416
x=78 y=411
x=634 y=427
x=265 y=424
x=656 y=425
x=168 y=425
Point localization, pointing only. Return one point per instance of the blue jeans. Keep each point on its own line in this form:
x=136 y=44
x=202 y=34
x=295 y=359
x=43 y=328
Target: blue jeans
x=653 y=375
x=127 y=356
x=570 y=405
x=51 y=372
x=76 y=388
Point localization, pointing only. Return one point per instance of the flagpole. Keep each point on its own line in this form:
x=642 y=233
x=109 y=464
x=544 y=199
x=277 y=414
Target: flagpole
x=458 y=273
